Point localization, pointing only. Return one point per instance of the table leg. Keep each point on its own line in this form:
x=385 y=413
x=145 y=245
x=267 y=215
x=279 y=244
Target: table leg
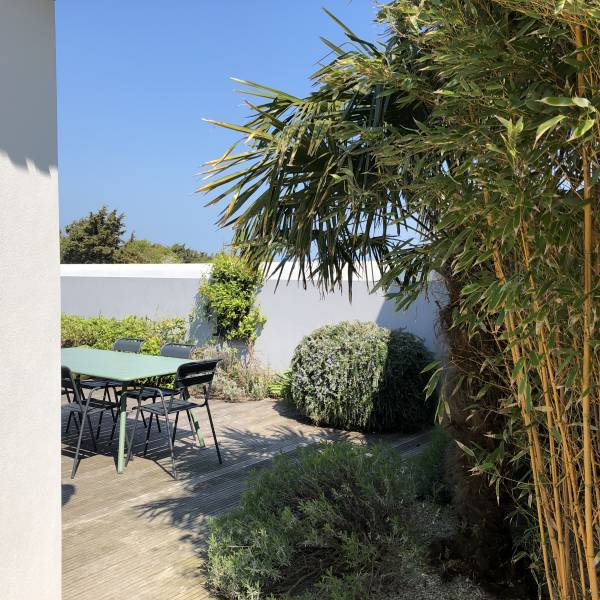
x=122 y=433
x=197 y=430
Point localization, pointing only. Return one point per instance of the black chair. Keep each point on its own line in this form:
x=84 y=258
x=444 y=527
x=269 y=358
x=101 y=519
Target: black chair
x=177 y=350
x=128 y=344
x=176 y=400
x=81 y=408
x=171 y=350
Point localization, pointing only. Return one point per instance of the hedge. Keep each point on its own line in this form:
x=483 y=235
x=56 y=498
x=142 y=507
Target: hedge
x=101 y=332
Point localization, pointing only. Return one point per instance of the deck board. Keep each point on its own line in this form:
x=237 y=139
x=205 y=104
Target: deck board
x=142 y=534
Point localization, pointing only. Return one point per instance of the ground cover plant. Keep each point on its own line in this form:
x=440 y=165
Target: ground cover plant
x=326 y=524
x=474 y=126
x=359 y=376
x=338 y=522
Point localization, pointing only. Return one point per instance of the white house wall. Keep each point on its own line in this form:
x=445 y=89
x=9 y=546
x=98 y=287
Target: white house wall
x=30 y=506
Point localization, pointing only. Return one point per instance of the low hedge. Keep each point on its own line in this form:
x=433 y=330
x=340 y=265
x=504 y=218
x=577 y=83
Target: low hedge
x=359 y=376
x=101 y=332
x=332 y=524
x=235 y=379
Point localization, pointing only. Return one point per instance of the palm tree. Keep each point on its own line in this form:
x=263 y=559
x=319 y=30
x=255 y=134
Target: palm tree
x=465 y=145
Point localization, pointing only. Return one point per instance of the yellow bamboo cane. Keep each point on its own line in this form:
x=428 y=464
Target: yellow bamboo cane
x=587 y=356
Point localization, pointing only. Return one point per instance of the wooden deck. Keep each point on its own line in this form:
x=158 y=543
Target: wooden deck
x=141 y=535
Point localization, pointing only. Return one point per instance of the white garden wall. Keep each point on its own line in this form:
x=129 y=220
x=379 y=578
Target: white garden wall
x=30 y=506
x=160 y=291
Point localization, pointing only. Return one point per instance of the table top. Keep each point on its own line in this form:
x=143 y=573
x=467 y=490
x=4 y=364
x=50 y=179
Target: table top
x=120 y=366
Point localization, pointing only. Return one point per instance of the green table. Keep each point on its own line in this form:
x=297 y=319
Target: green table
x=127 y=368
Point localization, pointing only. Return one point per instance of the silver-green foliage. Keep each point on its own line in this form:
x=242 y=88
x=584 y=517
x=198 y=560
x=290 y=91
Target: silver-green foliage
x=327 y=525
x=357 y=375
x=239 y=376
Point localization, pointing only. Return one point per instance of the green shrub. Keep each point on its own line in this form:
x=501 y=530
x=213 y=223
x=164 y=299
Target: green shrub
x=228 y=298
x=280 y=385
x=239 y=377
x=358 y=375
x=101 y=332
x=429 y=469
x=332 y=524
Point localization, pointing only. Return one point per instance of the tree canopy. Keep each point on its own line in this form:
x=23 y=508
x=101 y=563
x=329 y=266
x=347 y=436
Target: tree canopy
x=93 y=239
x=98 y=238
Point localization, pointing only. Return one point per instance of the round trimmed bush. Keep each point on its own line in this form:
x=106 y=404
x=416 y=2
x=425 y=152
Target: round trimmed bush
x=334 y=522
x=360 y=376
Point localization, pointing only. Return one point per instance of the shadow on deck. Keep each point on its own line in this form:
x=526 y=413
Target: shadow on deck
x=142 y=534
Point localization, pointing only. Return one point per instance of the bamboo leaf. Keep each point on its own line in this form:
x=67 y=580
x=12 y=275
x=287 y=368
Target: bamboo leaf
x=547 y=126
x=465 y=449
x=432 y=365
x=433 y=382
x=558 y=101
x=581 y=102
x=582 y=129
x=508 y=124
x=518 y=368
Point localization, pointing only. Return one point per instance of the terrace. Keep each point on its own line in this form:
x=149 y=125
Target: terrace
x=445 y=152
x=108 y=518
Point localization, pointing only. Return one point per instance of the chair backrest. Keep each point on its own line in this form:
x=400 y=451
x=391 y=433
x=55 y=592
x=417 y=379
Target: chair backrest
x=70 y=386
x=200 y=372
x=177 y=350
x=128 y=345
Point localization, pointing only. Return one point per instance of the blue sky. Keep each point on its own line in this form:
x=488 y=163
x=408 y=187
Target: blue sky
x=136 y=78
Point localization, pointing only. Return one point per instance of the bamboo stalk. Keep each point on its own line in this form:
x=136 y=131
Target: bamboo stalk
x=587 y=358
x=581 y=563
x=534 y=458
x=564 y=570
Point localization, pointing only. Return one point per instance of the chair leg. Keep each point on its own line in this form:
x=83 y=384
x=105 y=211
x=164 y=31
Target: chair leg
x=148 y=432
x=105 y=396
x=68 y=422
x=132 y=439
x=144 y=421
x=76 y=457
x=75 y=420
x=99 y=428
x=115 y=415
x=212 y=427
x=89 y=422
x=195 y=427
x=168 y=427
x=66 y=393
x=157 y=421
x=112 y=431
x=175 y=425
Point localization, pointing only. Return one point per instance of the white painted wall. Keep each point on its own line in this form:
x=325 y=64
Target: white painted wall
x=29 y=304
x=162 y=291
